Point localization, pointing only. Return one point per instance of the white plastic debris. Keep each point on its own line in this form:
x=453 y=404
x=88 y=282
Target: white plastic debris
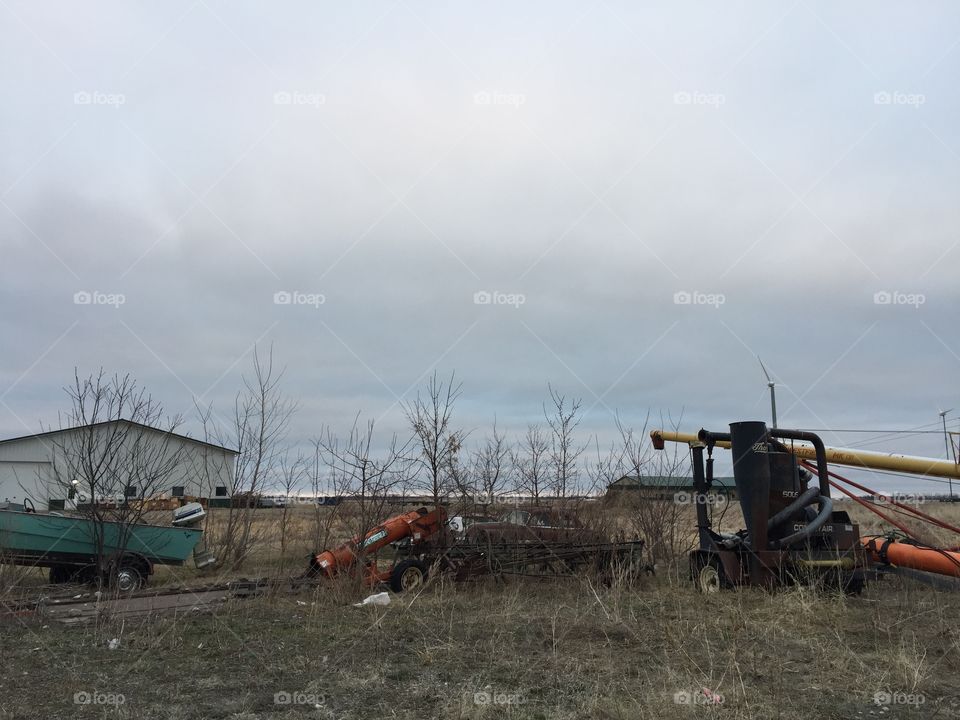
x=381 y=598
x=114 y=644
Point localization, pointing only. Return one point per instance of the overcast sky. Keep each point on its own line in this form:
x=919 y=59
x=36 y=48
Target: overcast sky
x=628 y=203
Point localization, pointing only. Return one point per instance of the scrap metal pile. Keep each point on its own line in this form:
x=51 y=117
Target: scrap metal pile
x=534 y=542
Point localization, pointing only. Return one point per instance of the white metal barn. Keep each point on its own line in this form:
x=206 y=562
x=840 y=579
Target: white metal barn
x=27 y=465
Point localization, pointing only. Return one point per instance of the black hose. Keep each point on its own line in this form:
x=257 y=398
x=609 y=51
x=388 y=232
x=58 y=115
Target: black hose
x=826 y=510
x=818 y=446
x=811 y=495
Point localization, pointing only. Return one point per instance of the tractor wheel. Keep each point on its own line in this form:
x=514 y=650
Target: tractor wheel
x=708 y=575
x=408 y=574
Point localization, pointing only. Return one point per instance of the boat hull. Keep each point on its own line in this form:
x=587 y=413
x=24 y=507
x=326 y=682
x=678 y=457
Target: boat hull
x=45 y=540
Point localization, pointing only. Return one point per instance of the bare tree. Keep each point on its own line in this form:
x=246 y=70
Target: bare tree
x=361 y=477
x=492 y=466
x=562 y=419
x=439 y=444
x=531 y=461
x=258 y=429
x=120 y=452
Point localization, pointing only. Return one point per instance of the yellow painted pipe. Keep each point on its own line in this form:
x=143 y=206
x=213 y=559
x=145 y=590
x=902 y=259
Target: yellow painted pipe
x=844 y=456
x=845 y=563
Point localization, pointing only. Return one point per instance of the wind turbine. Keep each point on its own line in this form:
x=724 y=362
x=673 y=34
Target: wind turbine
x=773 y=392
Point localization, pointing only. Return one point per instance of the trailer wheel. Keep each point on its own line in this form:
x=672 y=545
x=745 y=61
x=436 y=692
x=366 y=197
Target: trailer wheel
x=131 y=575
x=708 y=575
x=407 y=575
x=60 y=574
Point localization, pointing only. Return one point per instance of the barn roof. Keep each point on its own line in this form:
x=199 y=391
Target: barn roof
x=48 y=433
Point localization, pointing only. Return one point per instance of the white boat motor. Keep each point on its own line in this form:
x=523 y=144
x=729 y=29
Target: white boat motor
x=189 y=515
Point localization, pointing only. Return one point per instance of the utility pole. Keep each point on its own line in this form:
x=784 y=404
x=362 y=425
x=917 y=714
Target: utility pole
x=773 y=392
x=946 y=441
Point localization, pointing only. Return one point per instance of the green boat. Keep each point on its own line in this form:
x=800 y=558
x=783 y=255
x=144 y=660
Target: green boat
x=67 y=545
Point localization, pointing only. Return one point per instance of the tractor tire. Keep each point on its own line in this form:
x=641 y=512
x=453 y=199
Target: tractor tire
x=408 y=574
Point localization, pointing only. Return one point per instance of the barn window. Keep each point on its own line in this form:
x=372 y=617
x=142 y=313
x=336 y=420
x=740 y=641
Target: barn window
x=177 y=491
x=220 y=491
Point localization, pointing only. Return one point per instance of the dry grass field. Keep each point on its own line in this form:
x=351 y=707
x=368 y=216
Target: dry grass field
x=520 y=648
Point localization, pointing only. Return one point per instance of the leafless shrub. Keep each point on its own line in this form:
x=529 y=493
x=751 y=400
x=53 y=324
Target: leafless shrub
x=257 y=429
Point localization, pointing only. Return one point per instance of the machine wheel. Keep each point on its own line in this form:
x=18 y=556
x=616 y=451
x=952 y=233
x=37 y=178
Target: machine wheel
x=408 y=574
x=708 y=575
x=854 y=585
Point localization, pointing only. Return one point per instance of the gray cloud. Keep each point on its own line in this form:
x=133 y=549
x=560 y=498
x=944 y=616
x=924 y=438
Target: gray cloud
x=597 y=161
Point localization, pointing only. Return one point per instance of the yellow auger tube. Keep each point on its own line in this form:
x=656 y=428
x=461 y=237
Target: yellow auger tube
x=843 y=456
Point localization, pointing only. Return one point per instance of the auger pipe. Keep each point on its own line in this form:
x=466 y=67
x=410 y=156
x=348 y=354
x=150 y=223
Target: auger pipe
x=907 y=555
x=836 y=456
